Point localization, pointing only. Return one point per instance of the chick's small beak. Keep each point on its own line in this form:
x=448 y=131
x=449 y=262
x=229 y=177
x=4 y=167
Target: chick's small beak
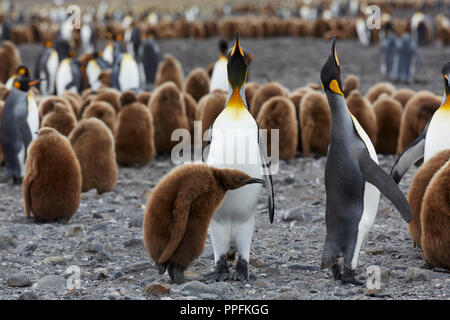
x=254 y=180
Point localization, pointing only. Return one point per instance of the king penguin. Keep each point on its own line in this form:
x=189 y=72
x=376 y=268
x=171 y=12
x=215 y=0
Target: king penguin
x=18 y=127
x=94 y=68
x=434 y=137
x=353 y=181
x=149 y=58
x=125 y=73
x=68 y=75
x=46 y=67
x=219 y=74
x=235 y=141
x=21 y=71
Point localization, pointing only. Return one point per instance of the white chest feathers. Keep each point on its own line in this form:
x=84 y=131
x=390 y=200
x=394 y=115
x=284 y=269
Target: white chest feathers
x=438 y=134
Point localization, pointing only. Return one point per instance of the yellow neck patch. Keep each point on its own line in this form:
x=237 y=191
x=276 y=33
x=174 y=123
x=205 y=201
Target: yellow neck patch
x=334 y=86
x=446 y=105
x=235 y=106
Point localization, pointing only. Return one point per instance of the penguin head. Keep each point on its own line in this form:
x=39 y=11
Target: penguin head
x=446 y=74
x=231 y=179
x=23 y=71
x=330 y=75
x=23 y=83
x=236 y=66
x=223 y=46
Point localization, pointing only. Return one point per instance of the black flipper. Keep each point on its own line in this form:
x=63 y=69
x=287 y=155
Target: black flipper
x=409 y=156
x=375 y=175
x=208 y=140
x=267 y=174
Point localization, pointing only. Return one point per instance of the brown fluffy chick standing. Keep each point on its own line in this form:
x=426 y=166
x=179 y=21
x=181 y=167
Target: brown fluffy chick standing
x=61 y=119
x=179 y=211
x=52 y=184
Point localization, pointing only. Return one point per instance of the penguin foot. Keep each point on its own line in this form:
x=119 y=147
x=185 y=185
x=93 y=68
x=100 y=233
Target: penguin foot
x=222 y=272
x=176 y=273
x=17 y=180
x=349 y=277
x=336 y=270
x=242 y=272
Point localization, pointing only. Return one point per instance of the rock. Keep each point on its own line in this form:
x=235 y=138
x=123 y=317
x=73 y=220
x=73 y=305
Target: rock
x=374 y=251
x=19 y=280
x=287 y=295
x=73 y=231
x=197 y=287
x=297 y=266
x=296 y=214
x=100 y=274
x=208 y=252
x=31 y=247
x=136 y=267
x=371 y=291
x=7 y=242
x=135 y=222
x=156 y=288
x=416 y=274
x=51 y=282
x=114 y=295
x=209 y=296
x=133 y=243
x=92 y=247
x=289 y=180
x=54 y=260
x=28 y=295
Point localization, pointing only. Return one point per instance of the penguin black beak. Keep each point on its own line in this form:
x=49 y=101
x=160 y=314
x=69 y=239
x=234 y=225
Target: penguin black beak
x=254 y=180
x=236 y=66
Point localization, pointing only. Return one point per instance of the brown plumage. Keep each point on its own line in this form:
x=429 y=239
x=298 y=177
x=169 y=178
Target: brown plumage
x=169 y=70
x=388 y=113
x=103 y=111
x=178 y=213
x=135 y=145
x=360 y=107
x=144 y=97
x=296 y=98
x=250 y=89
x=75 y=102
x=417 y=113
x=192 y=112
x=209 y=107
x=10 y=58
x=314 y=121
x=47 y=105
x=351 y=83
x=197 y=83
x=105 y=78
x=93 y=144
x=403 y=96
x=435 y=219
x=417 y=190
x=52 y=183
x=169 y=113
x=379 y=88
x=264 y=93
x=279 y=113
x=111 y=96
x=61 y=119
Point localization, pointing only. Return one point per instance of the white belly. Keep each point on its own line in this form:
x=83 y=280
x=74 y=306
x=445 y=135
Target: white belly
x=219 y=78
x=129 y=73
x=438 y=134
x=63 y=77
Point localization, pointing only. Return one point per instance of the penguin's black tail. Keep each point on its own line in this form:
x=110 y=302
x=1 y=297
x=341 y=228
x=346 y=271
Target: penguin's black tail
x=329 y=256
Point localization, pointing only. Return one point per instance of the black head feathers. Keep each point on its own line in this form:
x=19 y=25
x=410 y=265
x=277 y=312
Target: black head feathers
x=330 y=75
x=236 y=66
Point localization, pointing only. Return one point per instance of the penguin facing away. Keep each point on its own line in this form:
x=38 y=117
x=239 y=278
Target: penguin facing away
x=179 y=210
x=432 y=140
x=353 y=181
x=232 y=224
x=18 y=126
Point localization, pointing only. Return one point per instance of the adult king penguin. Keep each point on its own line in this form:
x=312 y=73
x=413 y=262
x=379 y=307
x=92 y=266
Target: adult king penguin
x=434 y=137
x=18 y=127
x=235 y=141
x=125 y=73
x=219 y=74
x=21 y=71
x=352 y=176
x=46 y=67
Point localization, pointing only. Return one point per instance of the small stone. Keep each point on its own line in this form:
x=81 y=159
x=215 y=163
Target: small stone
x=157 y=288
x=371 y=291
x=92 y=247
x=287 y=295
x=54 y=260
x=28 y=295
x=208 y=296
x=256 y=262
x=114 y=295
x=51 y=282
x=297 y=266
x=97 y=216
x=136 y=267
x=118 y=274
x=73 y=231
x=289 y=180
x=374 y=251
x=7 y=242
x=31 y=247
x=100 y=274
x=417 y=274
x=296 y=214
x=133 y=243
x=135 y=222
x=197 y=287
x=19 y=280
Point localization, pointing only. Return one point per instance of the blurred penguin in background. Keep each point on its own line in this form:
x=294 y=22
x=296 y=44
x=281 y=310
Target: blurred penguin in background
x=113 y=48
x=94 y=68
x=219 y=78
x=404 y=59
x=68 y=75
x=45 y=69
x=88 y=35
x=149 y=58
x=132 y=39
x=387 y=51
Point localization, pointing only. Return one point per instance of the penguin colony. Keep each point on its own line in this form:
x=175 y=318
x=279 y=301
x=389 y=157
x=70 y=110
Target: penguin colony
x=130 y=127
